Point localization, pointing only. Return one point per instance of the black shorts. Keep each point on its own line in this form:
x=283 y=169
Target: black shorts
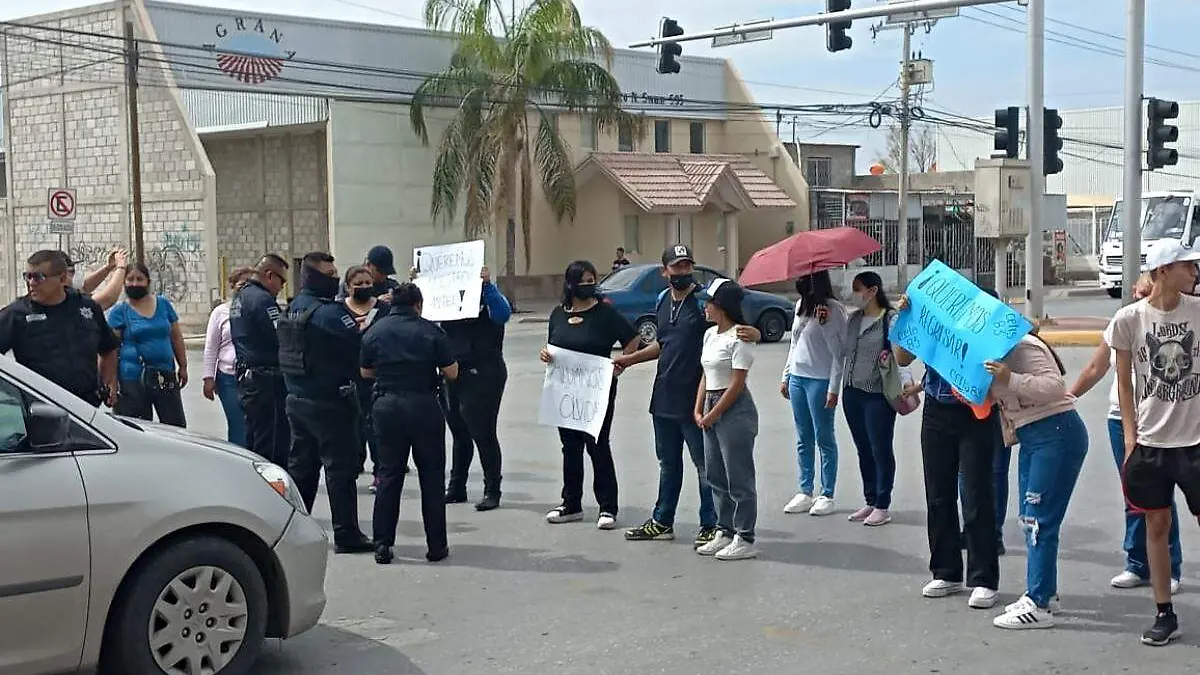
x=1150 y=475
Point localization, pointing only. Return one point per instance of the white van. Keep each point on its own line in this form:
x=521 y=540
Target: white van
x=1165 y=215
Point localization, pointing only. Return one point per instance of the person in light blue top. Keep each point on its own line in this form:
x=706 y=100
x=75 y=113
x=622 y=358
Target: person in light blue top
x=153 y=359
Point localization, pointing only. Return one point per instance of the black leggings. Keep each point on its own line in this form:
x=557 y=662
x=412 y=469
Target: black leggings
x=137 y=400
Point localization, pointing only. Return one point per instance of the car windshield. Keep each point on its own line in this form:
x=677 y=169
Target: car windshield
x=621 y=280
x=1166 y=217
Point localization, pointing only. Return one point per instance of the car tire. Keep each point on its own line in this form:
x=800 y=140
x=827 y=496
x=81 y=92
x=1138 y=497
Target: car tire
x=191 y=564
x=772 y=324
x=1113 y=292
x=647 y=329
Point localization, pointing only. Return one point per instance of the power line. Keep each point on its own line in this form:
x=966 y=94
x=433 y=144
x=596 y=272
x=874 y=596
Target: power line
x=1094 y=31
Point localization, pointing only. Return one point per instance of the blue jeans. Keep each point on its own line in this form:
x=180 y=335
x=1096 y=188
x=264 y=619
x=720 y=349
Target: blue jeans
x=1048 y=466
x=670 y=435
x=235 y=418
x=1136 y=560
x=872 y=424
x=814 y=429
x=1001 y=461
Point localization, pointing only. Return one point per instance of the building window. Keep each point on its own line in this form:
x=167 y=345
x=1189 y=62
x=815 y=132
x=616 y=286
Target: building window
x=633 y=235
x=697 y=138
x=624 y=137
x=818 y=171
x=662 y=135
x=589 y=134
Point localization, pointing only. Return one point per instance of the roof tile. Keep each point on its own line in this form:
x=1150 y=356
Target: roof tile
x=662 y=181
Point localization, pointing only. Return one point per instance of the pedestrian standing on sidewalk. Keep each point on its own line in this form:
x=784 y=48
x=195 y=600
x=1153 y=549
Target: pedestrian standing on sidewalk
x=1157 y=377
x=1031 y=393
x=870 y=416
x=1137 y=567
x=727 y=414
x=582 y=323
x=220 y=358
x=954 y=439
x=812 y=378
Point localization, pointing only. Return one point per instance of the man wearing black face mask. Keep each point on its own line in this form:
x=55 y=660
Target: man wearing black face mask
x=319 y=345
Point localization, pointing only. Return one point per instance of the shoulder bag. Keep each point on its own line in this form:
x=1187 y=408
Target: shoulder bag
x=895 y=377
x=153 y=379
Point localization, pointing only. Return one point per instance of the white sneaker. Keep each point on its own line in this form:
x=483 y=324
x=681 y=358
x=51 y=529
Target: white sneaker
x=823 y=506
x=740 y=549
x=982 y=598
x=801 y=503
x=940 y=589
x=1176 y=585
x=1024 y=615
x=1055 y=604
x=1128 y=579
x=716 y=544
x=559 y=515
x=606 y=521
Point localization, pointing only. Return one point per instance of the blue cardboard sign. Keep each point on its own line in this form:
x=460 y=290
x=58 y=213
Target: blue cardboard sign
x=954 y=327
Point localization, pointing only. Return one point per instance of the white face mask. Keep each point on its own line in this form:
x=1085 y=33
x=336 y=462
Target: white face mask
x=858 y=301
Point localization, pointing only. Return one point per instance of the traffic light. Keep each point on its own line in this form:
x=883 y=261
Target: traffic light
x=669 y=52
x=1008 y=136
x=835 y=32
x=1051 y=162
x=1158 y=133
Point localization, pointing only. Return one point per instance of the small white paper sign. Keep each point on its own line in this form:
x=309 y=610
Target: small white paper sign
x=575 y=392
x=448 y=277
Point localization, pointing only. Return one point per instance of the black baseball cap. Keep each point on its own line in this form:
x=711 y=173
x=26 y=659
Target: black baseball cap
x=728 y=295
x=677 y=253
x=381 y=257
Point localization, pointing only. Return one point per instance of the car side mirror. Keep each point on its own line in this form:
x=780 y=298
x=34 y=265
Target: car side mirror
x=47 y=428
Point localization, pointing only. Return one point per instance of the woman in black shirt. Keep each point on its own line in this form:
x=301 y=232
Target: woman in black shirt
x=585 y=323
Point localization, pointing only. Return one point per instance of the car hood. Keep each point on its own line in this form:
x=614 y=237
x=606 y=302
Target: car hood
x=168 y=432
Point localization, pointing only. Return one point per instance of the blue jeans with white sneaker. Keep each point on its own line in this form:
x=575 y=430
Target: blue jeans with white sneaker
x=1048 y=466
x=814 y=429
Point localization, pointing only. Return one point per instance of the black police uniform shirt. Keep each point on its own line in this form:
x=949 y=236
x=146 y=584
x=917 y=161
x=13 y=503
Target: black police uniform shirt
x=681 y=327
x=253 y=314
x=405 y=351
x=59 y=342
x=592 y=331
x=331 y=344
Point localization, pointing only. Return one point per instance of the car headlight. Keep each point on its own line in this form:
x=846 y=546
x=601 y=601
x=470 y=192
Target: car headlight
x=282 y=483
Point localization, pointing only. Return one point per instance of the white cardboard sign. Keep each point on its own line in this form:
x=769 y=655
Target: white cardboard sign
x=448 y=277
x=575 y=391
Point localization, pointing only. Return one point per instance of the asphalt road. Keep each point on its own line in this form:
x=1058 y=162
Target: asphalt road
x=520 y=596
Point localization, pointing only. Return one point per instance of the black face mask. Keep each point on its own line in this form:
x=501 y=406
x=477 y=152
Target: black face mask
x=682 y=282
x=318 y=283
x=136 y=292
x=583 y=291
x=363 y=293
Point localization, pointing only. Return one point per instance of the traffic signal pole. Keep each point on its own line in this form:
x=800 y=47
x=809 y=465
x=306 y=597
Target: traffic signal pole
x=1035 y=138
x=1131 y=195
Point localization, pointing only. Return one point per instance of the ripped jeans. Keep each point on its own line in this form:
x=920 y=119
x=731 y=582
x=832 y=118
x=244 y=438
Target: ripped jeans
x=1048 y=466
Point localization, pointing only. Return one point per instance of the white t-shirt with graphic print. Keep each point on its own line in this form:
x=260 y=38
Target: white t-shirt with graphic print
x=1166 y=370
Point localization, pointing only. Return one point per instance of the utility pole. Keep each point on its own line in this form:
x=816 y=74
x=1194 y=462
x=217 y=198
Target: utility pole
x=1131 y=204
x=1035 y=139
x=135 y=145
x=902 y=191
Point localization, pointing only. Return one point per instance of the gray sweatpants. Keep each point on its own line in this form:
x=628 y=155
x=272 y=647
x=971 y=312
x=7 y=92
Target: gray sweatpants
x=729 y=463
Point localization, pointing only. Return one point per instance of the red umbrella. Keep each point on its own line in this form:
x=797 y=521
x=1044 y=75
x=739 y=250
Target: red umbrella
x=807 y=252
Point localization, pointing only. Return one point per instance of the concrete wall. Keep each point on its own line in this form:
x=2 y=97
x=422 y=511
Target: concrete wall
x=69 y=130
x=841 y=160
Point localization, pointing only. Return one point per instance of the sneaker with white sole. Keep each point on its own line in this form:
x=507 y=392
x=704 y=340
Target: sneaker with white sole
x=861 y=514
x=878 y=518
x=560 y=514
x=1055 y=604
x=716 y=544
x=1024 y=615
x=982 y=598
x=739 y=549
x=606 y=521
x=801 y=503
x=941 y=589
x=1176 y=585
x=823 y=506
x=1128 y=579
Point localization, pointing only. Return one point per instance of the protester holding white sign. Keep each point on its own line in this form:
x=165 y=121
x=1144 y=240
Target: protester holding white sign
x=448 y=276
x=581 y=389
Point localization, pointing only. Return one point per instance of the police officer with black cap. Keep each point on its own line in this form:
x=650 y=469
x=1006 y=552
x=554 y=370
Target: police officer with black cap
x=58 y=332
x=407 y=356
x=253 y=314
x=319 y=346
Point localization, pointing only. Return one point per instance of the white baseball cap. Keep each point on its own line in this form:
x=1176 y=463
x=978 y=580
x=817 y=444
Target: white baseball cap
x=1169 y=251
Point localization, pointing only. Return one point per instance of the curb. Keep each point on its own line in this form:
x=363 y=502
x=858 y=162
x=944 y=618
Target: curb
x=1072 y=338
x=534 y=319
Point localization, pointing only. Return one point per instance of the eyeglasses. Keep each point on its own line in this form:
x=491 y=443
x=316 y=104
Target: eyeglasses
x=34 y=277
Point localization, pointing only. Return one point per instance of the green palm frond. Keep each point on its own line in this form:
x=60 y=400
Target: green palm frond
x=554 y=167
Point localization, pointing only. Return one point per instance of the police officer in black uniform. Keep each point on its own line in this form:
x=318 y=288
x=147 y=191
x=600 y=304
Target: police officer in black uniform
x=319 y=346
x=253 y=314
x=405 y=353
x=57 y=332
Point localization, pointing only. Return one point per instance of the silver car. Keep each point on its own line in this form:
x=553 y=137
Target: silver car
x=140 y=548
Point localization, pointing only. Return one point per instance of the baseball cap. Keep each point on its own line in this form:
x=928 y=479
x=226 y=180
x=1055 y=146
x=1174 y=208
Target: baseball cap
x=381 y=257
x=1169 y=251
x=728 y=295
x=677 y=253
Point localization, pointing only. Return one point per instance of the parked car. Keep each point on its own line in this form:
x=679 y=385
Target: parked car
x=142 y=548
x=634 y=291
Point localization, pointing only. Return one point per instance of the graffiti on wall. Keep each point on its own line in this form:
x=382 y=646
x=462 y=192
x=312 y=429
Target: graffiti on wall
x=169 y=271
x=86 y=254
x=183 y=240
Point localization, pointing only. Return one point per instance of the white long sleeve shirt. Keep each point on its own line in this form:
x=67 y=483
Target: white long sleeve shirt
x=817 y=349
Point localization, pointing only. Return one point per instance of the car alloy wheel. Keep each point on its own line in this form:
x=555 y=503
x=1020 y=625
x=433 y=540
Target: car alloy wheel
x=199 y=621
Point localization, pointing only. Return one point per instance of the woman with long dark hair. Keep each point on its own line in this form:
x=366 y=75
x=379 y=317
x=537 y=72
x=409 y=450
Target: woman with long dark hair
x=153 y=358
x=812 y=378
x=366 y=306
x=582 y=323
x=870 y=416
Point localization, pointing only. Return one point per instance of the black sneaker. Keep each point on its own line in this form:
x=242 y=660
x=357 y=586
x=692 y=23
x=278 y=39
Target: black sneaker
x=1164 y=630
x=383 y=555
x=705 y=535
x=488 y=503
x=650 y=531
x=456 y=497
x=561 y=514
x=360 y=545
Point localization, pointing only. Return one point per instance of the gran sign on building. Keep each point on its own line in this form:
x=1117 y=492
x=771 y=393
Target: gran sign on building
x=273 y=133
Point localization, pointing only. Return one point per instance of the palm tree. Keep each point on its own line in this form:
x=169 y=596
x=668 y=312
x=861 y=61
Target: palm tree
x=509 y=74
